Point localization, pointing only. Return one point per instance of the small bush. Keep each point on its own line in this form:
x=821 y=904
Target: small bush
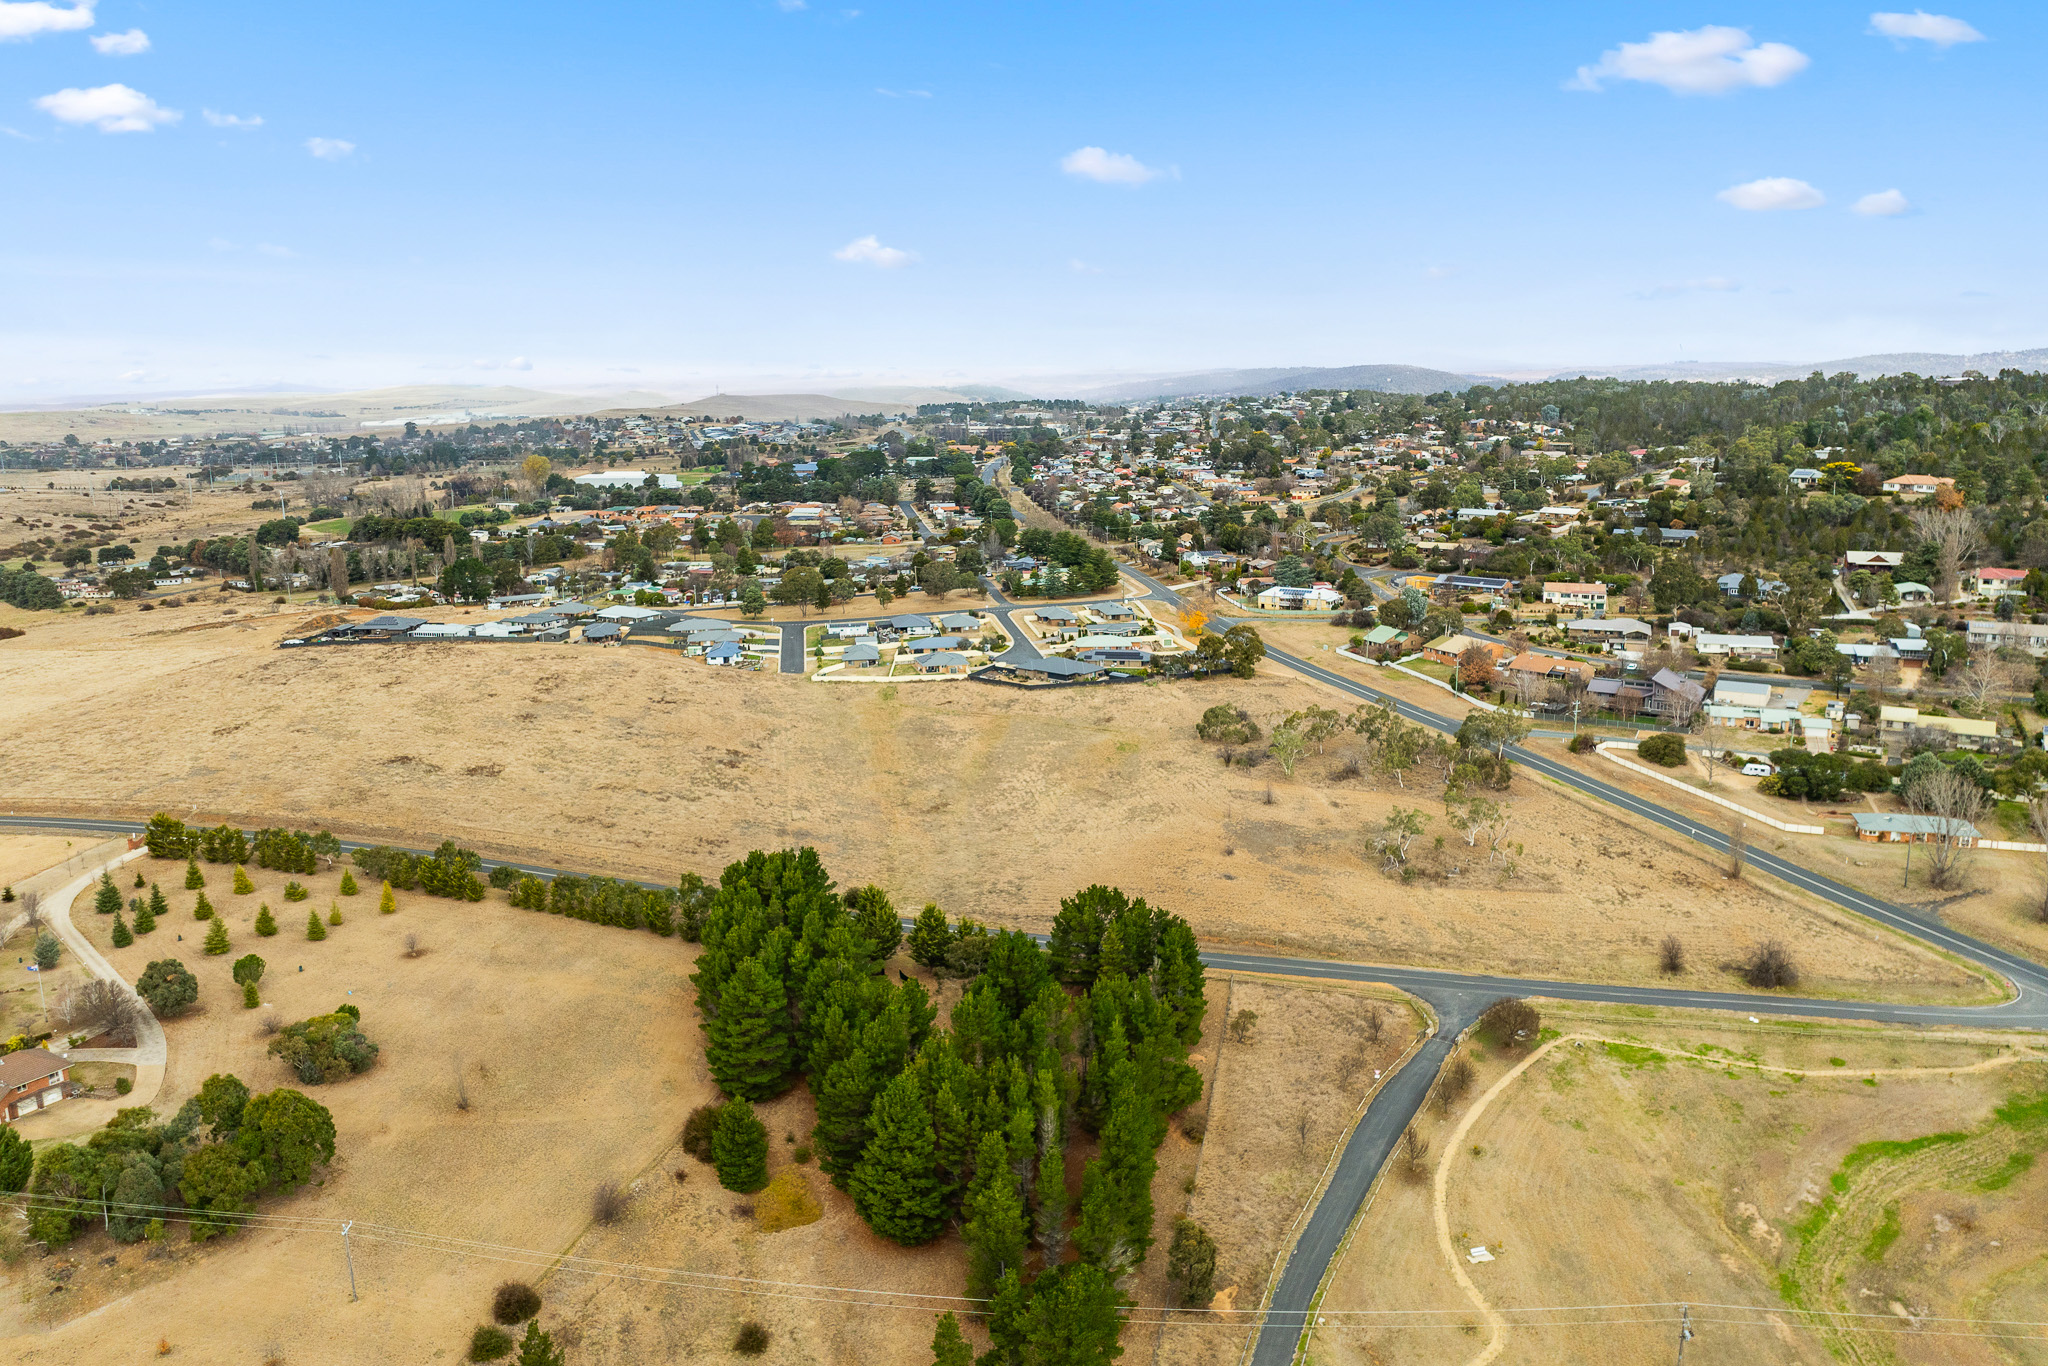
x=266 y=923
x=1228 y=725
x=514 y=1302
x=1581 y=743
x=294 y=891
x=1194 y=1127
x=123 y=1085
x=252 y=996
x=504 y=877
x=1665 y=750
x=697 y=1131
x=1512 y=1022
x=801 y=1154
x=608 y=1203
x=1191 y=1263
x=489 y=1343
x=1770 y=966
x=348 y=883
x=315 y=927
x=1671 y=956
x=751 y=1341
x=787 y=1203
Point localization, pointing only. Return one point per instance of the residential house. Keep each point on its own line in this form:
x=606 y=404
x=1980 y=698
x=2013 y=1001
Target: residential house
x=2018 y=634
x=925 y=645
x=1671 y=535
x=1281 y=598
x=1757 y=649
x=1883 y=561
x=1384 y=635
x=1886 y=827
x=1584 y=599
x=2000 y=583
x=725 y=654
x=1610 y=631
x=1531 y=665
x=32 y=1079
x=942 y=662
x=1912 y=487
x=1056 y=616
x=1448 y=649
x=1909 y=591
x=862 y=654
x=603 y=633
x=1805 y=478
x=1621 y=694
x=1671 y=692
x=1896 y=724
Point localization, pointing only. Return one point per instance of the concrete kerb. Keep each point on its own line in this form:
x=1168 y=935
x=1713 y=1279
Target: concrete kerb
x=1606 y=751
x=1315 y=1196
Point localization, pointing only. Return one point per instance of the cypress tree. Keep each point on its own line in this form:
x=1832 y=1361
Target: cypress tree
x=242 y=884
x=1075 y=944
x=896 y=1188
x=202 y=909
x=314 y=928
x=122 y=937
x=1049 y=1219
x=145 y=919
x=348 y=883
x=1072 y=1318
x=995 y=1227
x=387 y=903
x=748 y=1043
x=930 y=937
x=1177 y=980
x=217 y=937
x=157 y=904
x=252 y=996
x=107 y=900
x=194 y=879
x=266 y=924
x=739 y=1148
x=334 y=912
x=949 y=1347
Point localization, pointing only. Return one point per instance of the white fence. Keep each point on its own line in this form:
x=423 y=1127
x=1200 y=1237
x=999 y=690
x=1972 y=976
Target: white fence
x=1607 y=752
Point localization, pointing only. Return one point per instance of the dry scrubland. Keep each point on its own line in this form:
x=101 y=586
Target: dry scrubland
x=580 y=1055
x=632 y=761
x=1628 y=1174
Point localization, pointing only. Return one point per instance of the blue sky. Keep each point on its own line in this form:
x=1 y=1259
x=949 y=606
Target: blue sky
x=683 y=196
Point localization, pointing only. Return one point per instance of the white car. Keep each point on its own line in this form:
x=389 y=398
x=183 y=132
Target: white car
x=1757 y=768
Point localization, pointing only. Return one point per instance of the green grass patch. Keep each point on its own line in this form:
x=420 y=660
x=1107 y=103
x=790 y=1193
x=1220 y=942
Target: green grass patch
x=333 y=526
x=2024 y=1112
x=1883 y=1236
x=1863 y=1154
x=1838 y=1062
x=2017 y=1165
x=1635 y=1055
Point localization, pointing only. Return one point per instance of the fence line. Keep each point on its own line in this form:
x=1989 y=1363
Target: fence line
x=1606 y=751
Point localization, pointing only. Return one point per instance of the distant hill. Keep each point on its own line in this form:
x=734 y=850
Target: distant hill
x=1869 y=367
x=1385 y=379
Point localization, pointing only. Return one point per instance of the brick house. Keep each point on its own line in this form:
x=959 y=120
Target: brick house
x=31 y=1080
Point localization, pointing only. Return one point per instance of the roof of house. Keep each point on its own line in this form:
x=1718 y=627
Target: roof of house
x=2001 y=573
x=942 y=659
x=1381 y=635
x=930 y=643
x=388 y=623
x=1624 y=626
x=724 y=650
x=29 y=1064
x=1677 y=683
x=1054 y=614
x=1579 y=588
x=960 y=621
x=1114 y=609
x=1530 y=662
x=1905 y=823
x=603 y=630
x=910 y=622
x=1709 y=640
x=863 y=651
x=1057 y=667
x=1954 y=725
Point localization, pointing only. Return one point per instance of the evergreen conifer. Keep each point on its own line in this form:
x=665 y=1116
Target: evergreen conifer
x=252 y=996
x=334 y=912
x=387 y=903
x=122 y=936
x=157 y=904
x=538 y=1349
x=739 y=1148
x=107 y=900
x=930 y=937
x=145 y=919
x=949 y=1347
x=202 y=909
x=995 y=1227
x=242 y=884
x=896 y=1187
x=194 y=879
x=266 y=924
x=217 y=937
x=348 y=883
x=314 y=928
x=748 y=1043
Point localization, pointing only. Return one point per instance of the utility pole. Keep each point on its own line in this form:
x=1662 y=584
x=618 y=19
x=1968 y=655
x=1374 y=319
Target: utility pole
x=349 y=1252
x=1684 y=1330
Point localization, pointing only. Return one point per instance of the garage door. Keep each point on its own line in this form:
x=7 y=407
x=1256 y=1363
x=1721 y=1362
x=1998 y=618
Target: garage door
x=51 y=1096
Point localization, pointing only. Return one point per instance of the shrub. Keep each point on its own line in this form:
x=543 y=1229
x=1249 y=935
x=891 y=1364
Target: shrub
x=514 y=1302
x=122 y=935
x=503 y=877
x=168 y=986
x=1228 y=725
x=387 y=903
x=293 y=891
x=217 y=936
x=325 y=1048
x=787 y=1203
x=123 y=1085
x=1191 y=1263
x=248 y=968
x=697 y=1131
x=1671 y=955
x=1666 y=750
x=751 y=1340
x=1512 y=1022
x=315 y=927
x=1581 y=743
x=1194 y=1127
x=202 y=909
x=608 y=1203
x=489 y=1343
x=334 y=912
x=801 y=1154
x=252 y=996
x=348 y=883
x=194 y=879
x=739 y=1148
x=1771 y=965
x=266 y=923
x=242 y=884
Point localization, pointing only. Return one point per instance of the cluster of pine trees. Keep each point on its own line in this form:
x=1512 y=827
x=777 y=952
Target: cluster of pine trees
x=449 y=871
x=929 y=1128
x=609 y=901
x=288 y=851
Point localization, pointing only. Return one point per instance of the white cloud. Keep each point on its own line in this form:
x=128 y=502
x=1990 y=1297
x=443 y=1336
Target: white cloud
x=790 y=6
x=330 y=149
x=273 y=249
x=220 y=120
x=1111 y=168
x=1939 y=29
x=516 y=363
x=1439 y=272
x=1883 y=204
x=1773 y=192
x=904 y=94
x=1080 y=267
x=110 y=108
x=1702 y=61
x=133 y=43
x=22 y=21
x=869 y=251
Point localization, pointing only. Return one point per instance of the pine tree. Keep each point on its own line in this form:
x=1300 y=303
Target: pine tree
x=217 y=937
x=315 y=929
x=140 y=880
x=145 y=919
x=1177 y=980
x=1049 y=1219
x=122 y=937
x=930 y=937
x=1075 y=944
x=1073 y=1317
x=538 y=1349
x=252 y=996
x=107 y=900
x=242 y=884
x=739 y=1148
x=748 y=1043
x=949 y=1347
x=266 y=924
x=202 y=909
x=157 y=904
x=896 y=1188
x=387 y=903
x=995 y=1227
x=348 y=883
x=334 y=912
x=194 y=879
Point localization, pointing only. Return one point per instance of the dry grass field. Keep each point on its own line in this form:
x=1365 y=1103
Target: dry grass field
x=633 y=762
x=1626 y=1173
